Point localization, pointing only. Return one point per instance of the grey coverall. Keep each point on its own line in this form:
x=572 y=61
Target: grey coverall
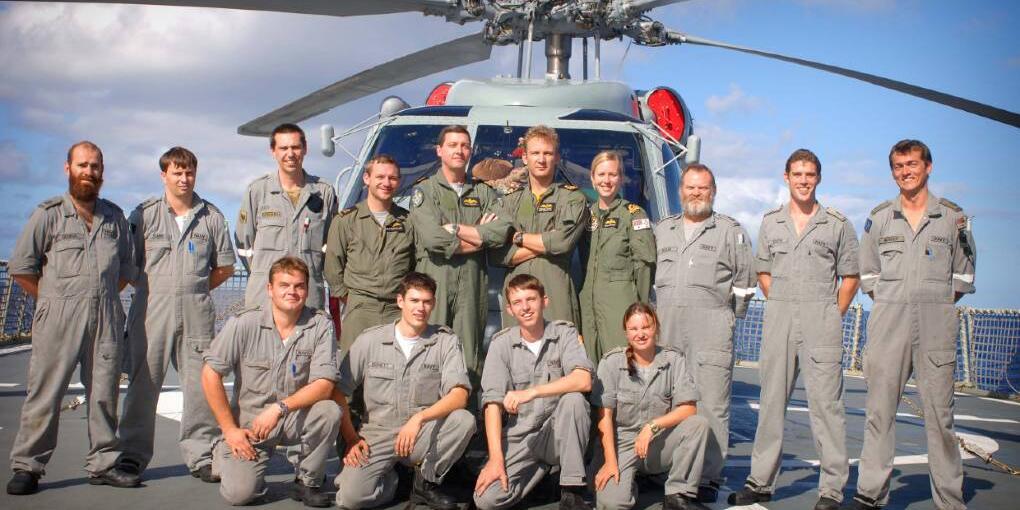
x=913 y=277
x=702 y=284
x=269 y=226
x=803 y=327
x=561 y=216
x=268 y=370
x=546 y=431
x=680 y=451
x=78 y=319
x=395 y=388
x=365 y=263
x=462 y=293
x=172 y=320
x=618 y=252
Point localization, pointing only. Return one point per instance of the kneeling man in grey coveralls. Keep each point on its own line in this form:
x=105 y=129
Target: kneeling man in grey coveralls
x=74 y=257
x=415 y=388
x=703 y=281
x=183 y=249
x=917 y=260
x=284 y=357
x=537 y=373
x=804 y=250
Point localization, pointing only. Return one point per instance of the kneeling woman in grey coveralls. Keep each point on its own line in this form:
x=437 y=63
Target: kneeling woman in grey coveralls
x=646 y=401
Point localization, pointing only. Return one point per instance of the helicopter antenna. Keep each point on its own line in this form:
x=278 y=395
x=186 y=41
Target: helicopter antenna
x=598 y=58
x=619 y=68
x=530 y=41
x=584 y=61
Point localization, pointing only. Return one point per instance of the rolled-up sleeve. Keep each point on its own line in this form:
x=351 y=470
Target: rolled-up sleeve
x=572 y=355
x=763 y=256
x=224 y=255
x=870 y=264
x=225 y=351
x=496 y=373
x=126 y=248
x=744 y=276
x=336 y=257
x=323 y=362
x=454 y=370
x=849 y=252
x=352 y=366
x=964 y=258
x=684 y=389
x=570 y=221
x=604 y=388
x=30 y=249
x=427 y=220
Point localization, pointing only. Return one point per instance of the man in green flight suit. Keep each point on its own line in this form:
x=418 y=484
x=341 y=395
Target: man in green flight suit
x=549 y=219
x=454 y=222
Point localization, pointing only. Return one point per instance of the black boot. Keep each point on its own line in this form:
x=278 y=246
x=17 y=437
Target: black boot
x=572 y=498
x=431 y=494
x=861 y=503
x=205 y=474
x=748 y=496
x=825 y=503
x=115 y=477
x=681 y=502
x=23 y=483
x=310 y=496
x=708 y=493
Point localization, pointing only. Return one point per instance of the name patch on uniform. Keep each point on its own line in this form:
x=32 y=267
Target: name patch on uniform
x=431 y=367
x=819 y=242
x=396 y=226
x=156 y=236
x=110 y=231
x=270 y=214
x=610 y=223
x=379 y=364
x=891 y=239
x=554 y=362
x=940 y=239
x=71 y=235
x=706 y=247
x=546 y=207
x=641 y=224
x=775 y=242
x=666 y=249
x=470 y=202
x=200 y=237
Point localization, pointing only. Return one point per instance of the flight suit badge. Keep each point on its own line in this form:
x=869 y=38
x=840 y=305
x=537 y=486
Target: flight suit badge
x=470 y=202
x=610 y=223
x=417 y=198
x=546 y=207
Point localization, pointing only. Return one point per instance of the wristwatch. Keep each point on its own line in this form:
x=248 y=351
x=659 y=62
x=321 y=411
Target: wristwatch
x=654 y=427
x=518 y=238
x=284 y=410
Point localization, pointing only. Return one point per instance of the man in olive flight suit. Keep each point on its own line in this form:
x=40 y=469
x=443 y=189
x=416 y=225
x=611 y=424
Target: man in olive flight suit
x=804 y=250
x=369 y=250
x=455 y=224
x=549 y=219
x=704 y=278
x=182 y=246
x=416 y=387
x=74 y=257
x=286 y=212
x=917 y=260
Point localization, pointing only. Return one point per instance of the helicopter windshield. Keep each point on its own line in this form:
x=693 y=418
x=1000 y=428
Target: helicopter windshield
x=413 y=146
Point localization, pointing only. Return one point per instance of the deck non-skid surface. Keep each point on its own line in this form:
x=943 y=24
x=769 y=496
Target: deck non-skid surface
x=992 y=424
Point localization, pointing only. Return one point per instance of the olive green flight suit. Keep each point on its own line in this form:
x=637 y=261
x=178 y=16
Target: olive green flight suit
x=546 y=431
x=462 y=293
x=172 y=320
x=914 y=277
x=561 y=216
x=268 y=369
x=680 y=450
x=79 y=319
x=619 y=254
x=269 y=227
x=702 y=285
x=365 y=263
x=395 y=388
x=803 y=328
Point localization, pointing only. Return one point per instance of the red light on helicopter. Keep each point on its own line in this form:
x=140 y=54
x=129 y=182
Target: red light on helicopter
x=438 y=95
x=667 y=112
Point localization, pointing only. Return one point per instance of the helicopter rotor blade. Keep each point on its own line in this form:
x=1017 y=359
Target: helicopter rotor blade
x=458 y=52
x=322 y=7
x=981 y=109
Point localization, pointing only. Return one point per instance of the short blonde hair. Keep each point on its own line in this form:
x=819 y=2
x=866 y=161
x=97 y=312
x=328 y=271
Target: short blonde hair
x=604 y=156
x=541 y=131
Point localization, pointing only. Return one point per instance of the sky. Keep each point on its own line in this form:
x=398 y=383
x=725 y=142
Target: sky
x=138 y=80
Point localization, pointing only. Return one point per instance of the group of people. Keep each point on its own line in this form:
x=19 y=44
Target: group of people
x=392 y=359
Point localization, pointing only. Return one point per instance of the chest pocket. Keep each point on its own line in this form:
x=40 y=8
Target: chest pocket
x=314 y=235
x=257 y=375
x=427 y=387
x=701 y=272
x=380 y=386
x=780 y=253
x=68 y=257
x=666 y=266
x=891 y=255
x=822 y=260
x=157 y=257
x=302 y=366
x=269 y=234
x=938 y=261
x=628 y=405
x=553 y=369
x=198 y=248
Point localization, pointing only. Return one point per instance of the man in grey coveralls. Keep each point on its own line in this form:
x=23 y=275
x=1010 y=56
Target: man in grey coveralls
x=415 y=390
x=804 y=250
x=74 y=257
x=286 y=212
x=284 y=357
x=537 y=374
x=917 y=260
x=183 y=251
x=703 y=281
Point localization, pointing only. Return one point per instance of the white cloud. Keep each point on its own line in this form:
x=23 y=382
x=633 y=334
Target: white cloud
x=735 y=101
x=15 y=162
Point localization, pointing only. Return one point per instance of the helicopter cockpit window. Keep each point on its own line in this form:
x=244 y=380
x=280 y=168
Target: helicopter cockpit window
x=578 y=148
x=414 y=148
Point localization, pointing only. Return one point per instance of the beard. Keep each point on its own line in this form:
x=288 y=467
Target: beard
x=84 y=189
x=699 y=208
